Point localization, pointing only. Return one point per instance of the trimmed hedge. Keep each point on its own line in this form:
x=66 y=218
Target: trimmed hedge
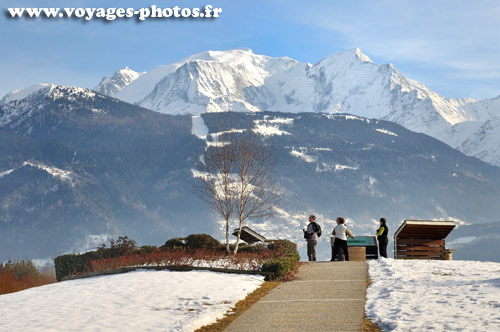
x=280 y=266
x=287 y=260
x=202 y=241
x=67 y=265
x=284 y=247
x=256 y=248
x=175 y=243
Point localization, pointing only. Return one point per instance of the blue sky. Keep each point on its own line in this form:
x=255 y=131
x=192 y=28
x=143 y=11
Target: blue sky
x=451 y=46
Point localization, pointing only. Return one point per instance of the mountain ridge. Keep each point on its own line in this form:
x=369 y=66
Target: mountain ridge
x=347 y=82
x=77 y=167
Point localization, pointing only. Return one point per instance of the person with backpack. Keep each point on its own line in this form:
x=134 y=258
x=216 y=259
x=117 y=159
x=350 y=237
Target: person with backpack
x=341 y=232
x=382 y=237
x=311 y=234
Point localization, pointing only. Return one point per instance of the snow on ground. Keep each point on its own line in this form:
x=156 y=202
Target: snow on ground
x=301 y=153
x=270 y=127
x=134 y=301
x=54 y=171
x=325 y=167
x=199 y=128
x=7 y=172
x=387 y=132
x=421 y=295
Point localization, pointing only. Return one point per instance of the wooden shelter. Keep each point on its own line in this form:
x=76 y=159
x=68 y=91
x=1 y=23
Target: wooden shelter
x=249 y=236
x=422 y=239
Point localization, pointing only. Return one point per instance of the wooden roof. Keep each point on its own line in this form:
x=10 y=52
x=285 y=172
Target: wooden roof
x=424 y=229
x=249 y=236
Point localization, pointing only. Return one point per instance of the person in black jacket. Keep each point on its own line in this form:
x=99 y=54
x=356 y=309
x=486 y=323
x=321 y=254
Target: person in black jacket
x=382 y=237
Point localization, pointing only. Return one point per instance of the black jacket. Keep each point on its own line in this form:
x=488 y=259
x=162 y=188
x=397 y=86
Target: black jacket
x=382 y=234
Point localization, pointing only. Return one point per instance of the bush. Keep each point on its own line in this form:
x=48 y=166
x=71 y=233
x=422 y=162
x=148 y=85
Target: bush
x=117 y=248
x=175 y=243
x=202 y=241
x=279 y=267
x=21 y=269
x=285 y=262
x=257 y=248
x=19 y=275
x=68 y=265
x=282 y=247
x=145 y=250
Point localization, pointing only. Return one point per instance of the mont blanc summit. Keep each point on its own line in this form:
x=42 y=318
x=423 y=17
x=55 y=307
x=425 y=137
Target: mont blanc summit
x=346 y=82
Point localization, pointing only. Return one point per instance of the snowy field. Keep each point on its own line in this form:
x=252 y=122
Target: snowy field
x=434 y=295
x=134 y=301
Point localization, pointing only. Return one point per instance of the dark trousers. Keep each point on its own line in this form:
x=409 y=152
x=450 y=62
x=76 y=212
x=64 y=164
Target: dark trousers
x=382 y=247
x=311 y=249
x=337 y=245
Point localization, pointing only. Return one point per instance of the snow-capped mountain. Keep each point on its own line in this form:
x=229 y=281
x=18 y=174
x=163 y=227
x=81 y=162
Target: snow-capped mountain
x=346 y=82
x=121 y=78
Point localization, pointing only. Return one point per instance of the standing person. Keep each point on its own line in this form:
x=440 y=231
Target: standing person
x=341 y=232
x=311 y=234
x=382 y=237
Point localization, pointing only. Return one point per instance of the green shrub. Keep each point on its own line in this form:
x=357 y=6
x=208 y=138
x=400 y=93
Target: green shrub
x=175 y=243
x=283 y=247
x=278 y=267
x=145 y=249
x=202 y=241
x=67 y=265
x=256 y=248
x=21 y=269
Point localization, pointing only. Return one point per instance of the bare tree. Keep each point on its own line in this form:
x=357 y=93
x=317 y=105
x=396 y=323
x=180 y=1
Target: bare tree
x=254 y=167
x=216 y=186
x=236 y=173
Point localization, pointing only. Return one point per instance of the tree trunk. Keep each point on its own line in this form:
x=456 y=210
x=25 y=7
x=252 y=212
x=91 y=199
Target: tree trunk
x=227 y=236
x=238 y=238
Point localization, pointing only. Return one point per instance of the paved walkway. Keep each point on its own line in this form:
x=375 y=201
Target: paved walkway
x=325 y=296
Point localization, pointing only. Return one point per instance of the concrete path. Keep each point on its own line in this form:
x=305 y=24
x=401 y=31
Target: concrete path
x=325 y=296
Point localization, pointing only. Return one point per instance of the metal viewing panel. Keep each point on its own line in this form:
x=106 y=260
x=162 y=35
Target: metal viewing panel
x=361 y=241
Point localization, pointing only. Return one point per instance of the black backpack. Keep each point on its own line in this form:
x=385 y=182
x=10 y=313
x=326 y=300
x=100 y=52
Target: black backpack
x=317 y=228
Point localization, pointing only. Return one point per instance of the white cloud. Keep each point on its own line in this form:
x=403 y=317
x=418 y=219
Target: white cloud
x=459 y=37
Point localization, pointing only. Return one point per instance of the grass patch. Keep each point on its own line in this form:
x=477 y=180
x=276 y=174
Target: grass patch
x=367 y=325
x=240 y=308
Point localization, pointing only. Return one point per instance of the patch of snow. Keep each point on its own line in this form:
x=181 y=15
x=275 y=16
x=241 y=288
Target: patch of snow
x=301 y=154
x=387 y=132
x=199 y=128
x=266 y=130
x=325 y=167
x=134 y=301
x=215 y=136
x=7 y=172
x=425 y=295
x=54 y=171
x=217 y=144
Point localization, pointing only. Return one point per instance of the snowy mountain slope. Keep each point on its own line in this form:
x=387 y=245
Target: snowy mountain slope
x=77 y=167
x=346 y=82
x=480 y=137
x=120 y=79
